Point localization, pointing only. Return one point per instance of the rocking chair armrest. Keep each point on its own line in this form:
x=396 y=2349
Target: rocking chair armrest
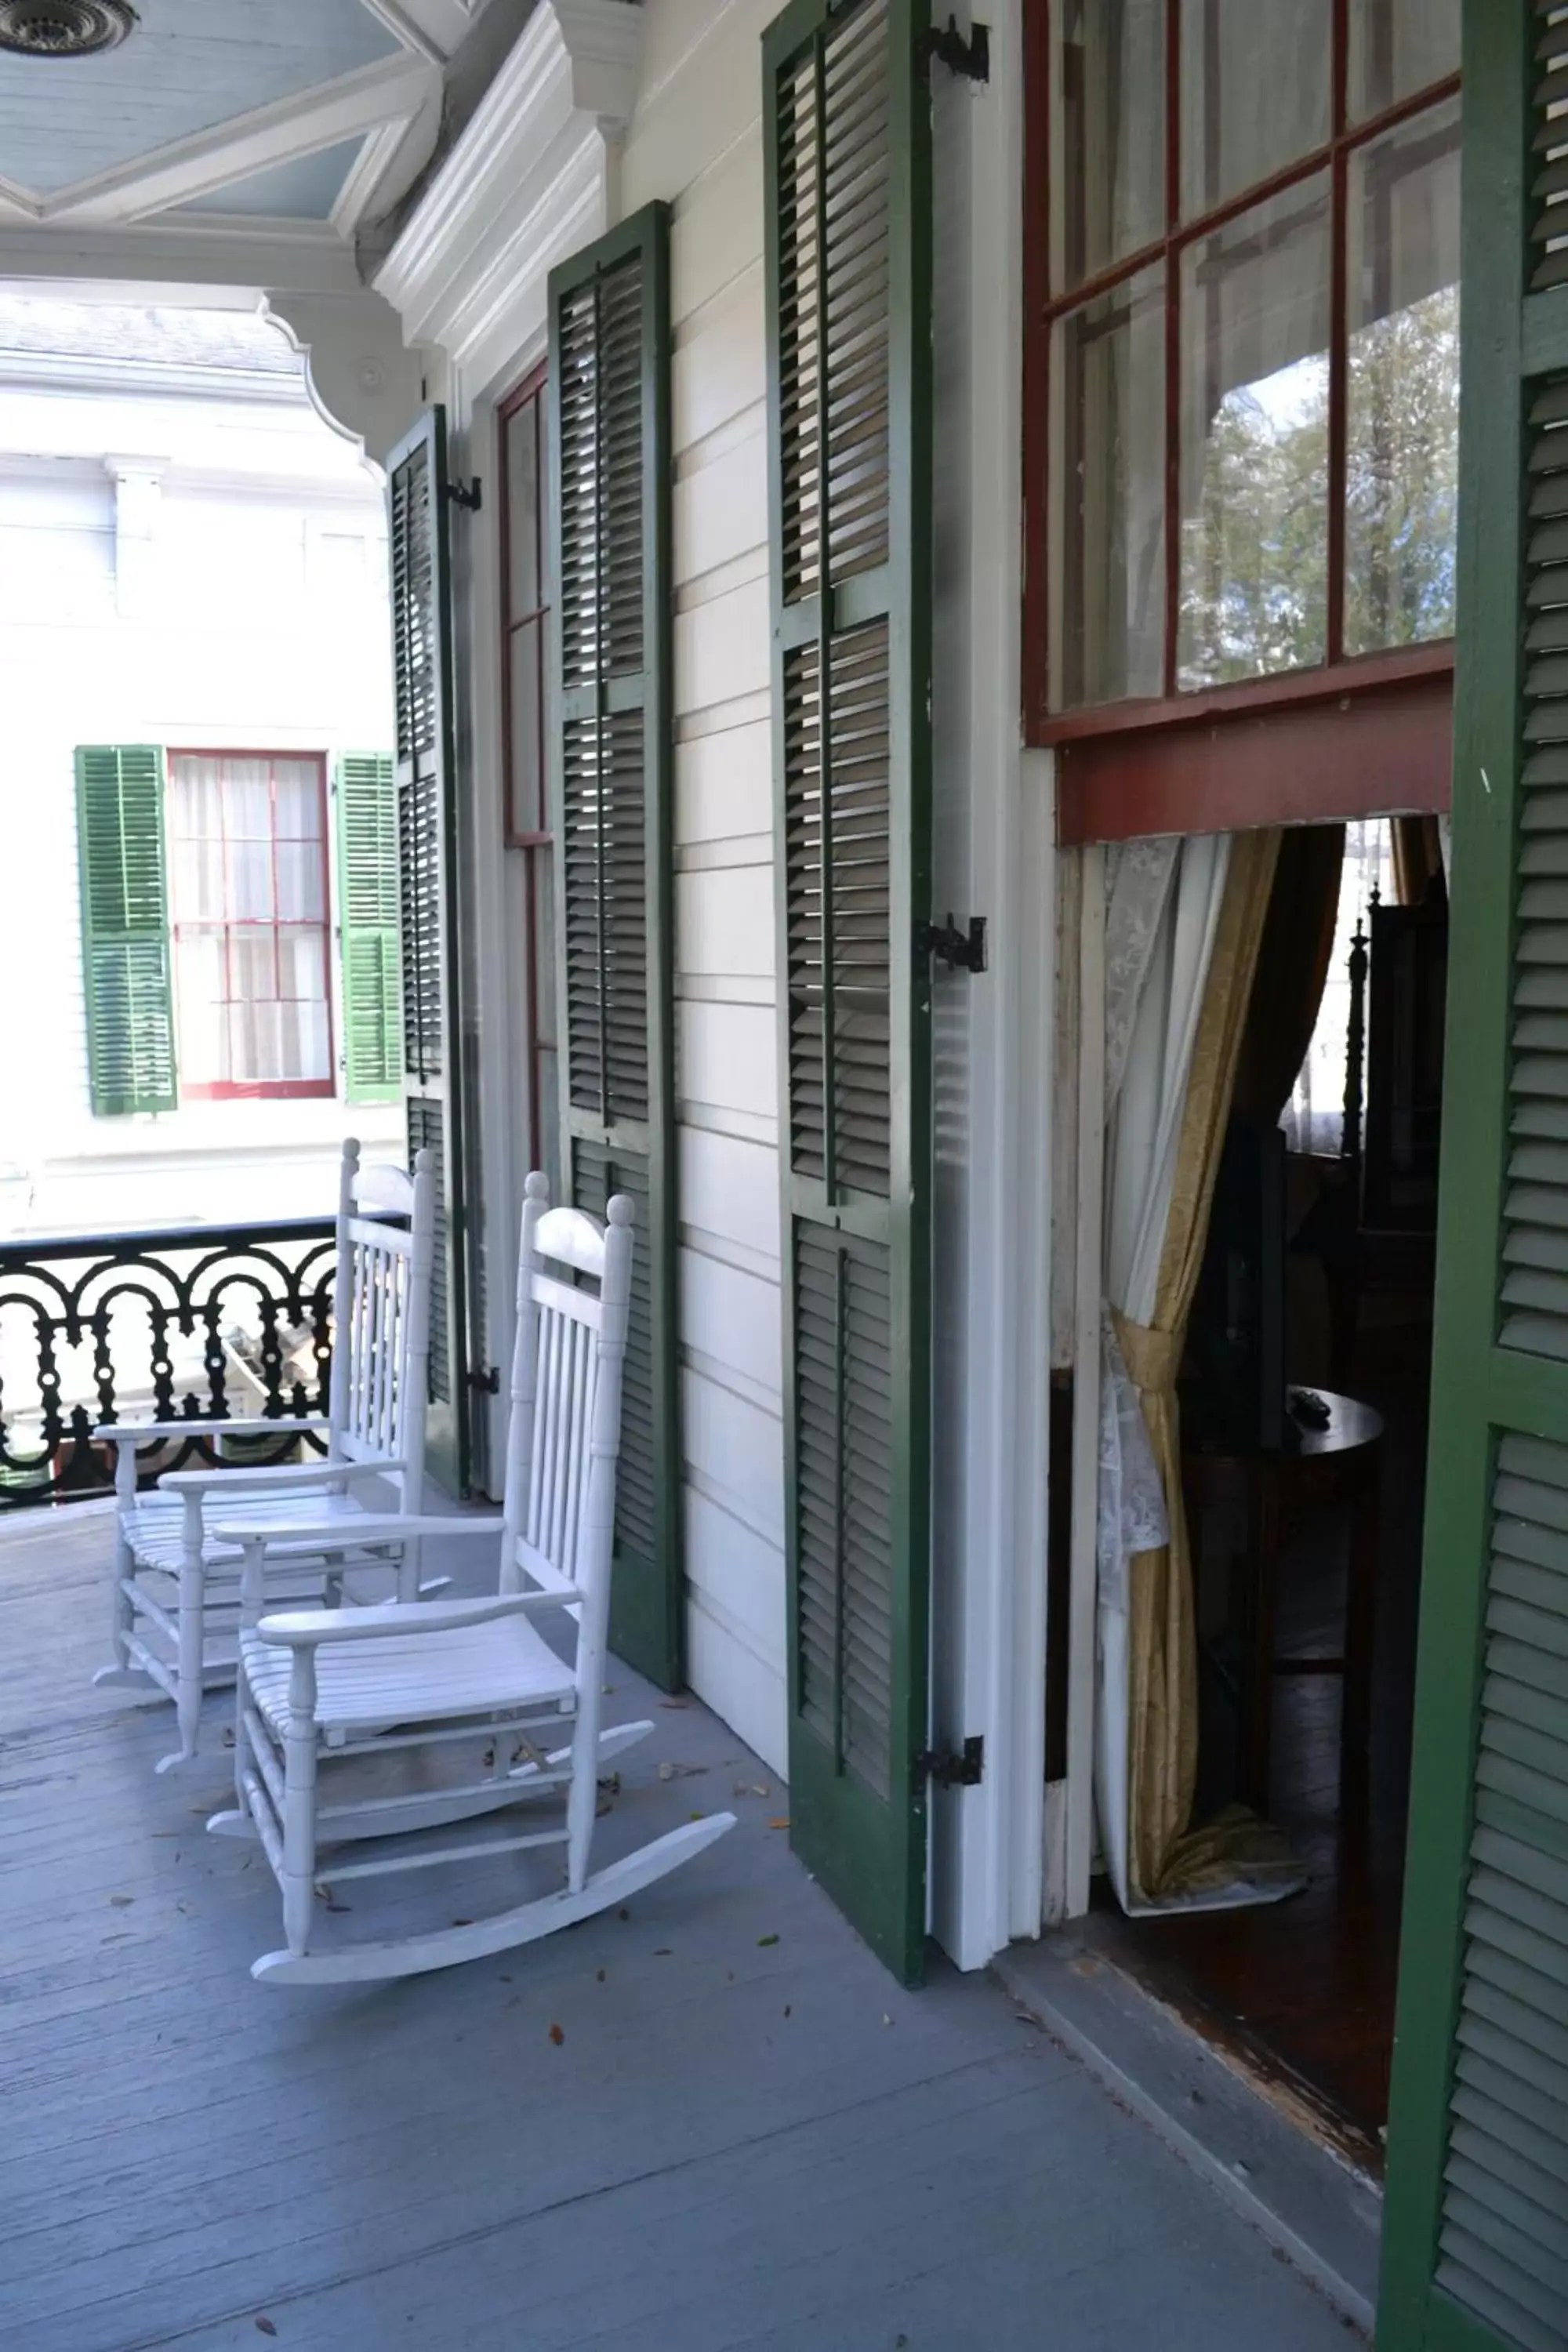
x=312 y=1538
x=303 y=1628
x=287 y=1475
x=142 y=1433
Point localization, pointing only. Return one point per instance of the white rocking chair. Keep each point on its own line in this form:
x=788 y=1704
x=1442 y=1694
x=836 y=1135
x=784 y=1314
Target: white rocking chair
x=176 y=1583
x=470 y=1684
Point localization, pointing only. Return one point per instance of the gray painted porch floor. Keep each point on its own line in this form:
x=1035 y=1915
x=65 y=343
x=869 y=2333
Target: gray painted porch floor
x=747 y=2133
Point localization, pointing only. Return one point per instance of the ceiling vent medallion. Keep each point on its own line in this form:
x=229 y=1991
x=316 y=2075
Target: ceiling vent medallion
x=63 y=28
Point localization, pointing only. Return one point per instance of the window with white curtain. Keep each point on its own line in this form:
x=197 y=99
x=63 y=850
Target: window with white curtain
x=1314 y=1118
x=248 y=862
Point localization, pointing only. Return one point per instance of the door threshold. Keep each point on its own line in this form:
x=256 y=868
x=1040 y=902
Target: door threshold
x=1266 y=2151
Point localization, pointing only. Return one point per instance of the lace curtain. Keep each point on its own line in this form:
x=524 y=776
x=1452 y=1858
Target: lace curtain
x=1131 y=1510
x=1162 y=902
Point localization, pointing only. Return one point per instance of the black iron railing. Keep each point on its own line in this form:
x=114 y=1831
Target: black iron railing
x=199 y=1325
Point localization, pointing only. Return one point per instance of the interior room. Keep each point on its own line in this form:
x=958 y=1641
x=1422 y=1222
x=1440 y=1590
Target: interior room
x=1302 y=1444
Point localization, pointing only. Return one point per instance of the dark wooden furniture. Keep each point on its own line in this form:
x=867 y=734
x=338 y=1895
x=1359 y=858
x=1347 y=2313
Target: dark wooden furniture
x=1340 y=1462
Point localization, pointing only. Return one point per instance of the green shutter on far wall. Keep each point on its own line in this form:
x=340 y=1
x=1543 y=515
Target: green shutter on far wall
x=846 y=124
x=367 y=915
x=610 y=793
x=125 y=927
x=1475 y=2237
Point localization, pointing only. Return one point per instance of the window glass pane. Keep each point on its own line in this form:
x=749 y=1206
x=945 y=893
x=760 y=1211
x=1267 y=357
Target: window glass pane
x=303 y=1038
x=1108 y=75
x=522 y=520
x=1402 y=411
x=526 y=742
x=250 y=880
x=297 y=793
x=1255 y=441
x=199 y=979
x=254 y=1045
x=1108 y=376
x=196 y=798
x=302 y=882
x=252 y=963
x=198 y=876
x=1255 y=92
x=1396 y=47
x=248 y=799
x=301 y=970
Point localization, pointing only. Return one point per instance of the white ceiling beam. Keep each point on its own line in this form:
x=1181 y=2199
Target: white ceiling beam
x=393 y=89
x=15 y=203
x=386 y=166
x=162 y=257
x=432 y=28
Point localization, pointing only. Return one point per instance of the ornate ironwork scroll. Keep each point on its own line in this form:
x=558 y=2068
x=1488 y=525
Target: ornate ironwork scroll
x=213 y=1323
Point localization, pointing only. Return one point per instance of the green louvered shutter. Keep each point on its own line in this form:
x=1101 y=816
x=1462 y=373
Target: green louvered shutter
x=125 y=927
x=367 y=919
x=846 y=124
x=1476 y=2221
x=418 y=504
x=609 y=522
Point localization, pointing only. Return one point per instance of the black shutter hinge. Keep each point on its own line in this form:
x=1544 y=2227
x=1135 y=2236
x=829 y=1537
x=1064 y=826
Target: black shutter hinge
x=969 y=58
x=960 y=950
x=489 y=1380
x=965 y=1771
x=465 y=494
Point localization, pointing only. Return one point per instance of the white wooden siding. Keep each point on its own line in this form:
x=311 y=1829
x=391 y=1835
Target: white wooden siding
x=696 y=141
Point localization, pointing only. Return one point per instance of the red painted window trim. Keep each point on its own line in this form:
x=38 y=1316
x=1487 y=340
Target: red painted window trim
x=279 y=1089
x=1339 y=676
x=531 y=388
x=1272 y=757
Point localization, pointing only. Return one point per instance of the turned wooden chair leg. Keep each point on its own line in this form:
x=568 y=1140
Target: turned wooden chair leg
x=1257 y=1715
x=1361 y=1625
x=300 y=1804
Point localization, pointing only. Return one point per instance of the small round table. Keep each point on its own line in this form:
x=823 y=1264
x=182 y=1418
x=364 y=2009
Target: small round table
x=1339 y=1461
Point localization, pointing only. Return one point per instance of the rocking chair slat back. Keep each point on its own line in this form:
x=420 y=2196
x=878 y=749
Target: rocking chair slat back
x=382 y=1312
x=565 y=1391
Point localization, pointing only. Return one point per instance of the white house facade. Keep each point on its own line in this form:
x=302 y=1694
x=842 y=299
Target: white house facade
x=193 y=572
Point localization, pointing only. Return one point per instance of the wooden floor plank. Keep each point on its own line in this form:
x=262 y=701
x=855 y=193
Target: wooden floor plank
x=744 y=2134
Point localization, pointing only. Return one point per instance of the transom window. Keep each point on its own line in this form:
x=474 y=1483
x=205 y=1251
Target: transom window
x=1244 y=341
x=248 y=902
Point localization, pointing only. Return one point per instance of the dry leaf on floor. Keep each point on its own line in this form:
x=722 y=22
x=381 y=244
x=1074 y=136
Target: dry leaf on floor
x=766 y=1940
x=265 y=2325
x=120 y=1900
x=780 y=1821
x=557 y=2036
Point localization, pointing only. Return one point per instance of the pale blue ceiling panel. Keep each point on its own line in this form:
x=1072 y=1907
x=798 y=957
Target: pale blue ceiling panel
x=305 y=190
x=188 y=66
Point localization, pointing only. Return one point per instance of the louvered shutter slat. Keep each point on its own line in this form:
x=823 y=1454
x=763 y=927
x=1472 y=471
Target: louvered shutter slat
x=425 y=774
x=368 y=917
x=846 y=117
x=125 y=927
x=608 y=390
x=1476 y=2214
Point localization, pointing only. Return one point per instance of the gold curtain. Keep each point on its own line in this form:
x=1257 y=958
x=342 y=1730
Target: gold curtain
x=1162 y=1681
x=1293 y=959
x=1417 y=857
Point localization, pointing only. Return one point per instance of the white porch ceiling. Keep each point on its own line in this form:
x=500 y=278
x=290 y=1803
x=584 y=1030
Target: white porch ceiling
x=244 y=111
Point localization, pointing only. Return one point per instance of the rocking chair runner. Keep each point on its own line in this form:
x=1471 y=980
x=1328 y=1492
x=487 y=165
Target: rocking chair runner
x=320 y=1691
x=176 y=1582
